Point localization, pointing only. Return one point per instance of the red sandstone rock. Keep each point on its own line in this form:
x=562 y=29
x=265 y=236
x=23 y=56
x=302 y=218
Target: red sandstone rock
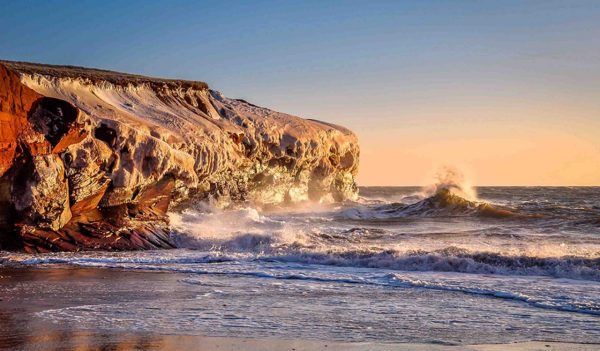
x=93 y=160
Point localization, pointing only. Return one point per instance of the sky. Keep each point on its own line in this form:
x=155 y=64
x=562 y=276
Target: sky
x=508 y=92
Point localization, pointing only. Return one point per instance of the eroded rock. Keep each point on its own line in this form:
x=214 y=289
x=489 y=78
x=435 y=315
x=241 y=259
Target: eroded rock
x=40 y=193
x=92 y=159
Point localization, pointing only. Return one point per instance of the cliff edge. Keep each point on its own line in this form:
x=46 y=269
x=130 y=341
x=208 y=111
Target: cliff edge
x=93 y=159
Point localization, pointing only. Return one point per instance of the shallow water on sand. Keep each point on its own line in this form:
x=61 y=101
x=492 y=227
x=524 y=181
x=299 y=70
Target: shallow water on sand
x=399 y=265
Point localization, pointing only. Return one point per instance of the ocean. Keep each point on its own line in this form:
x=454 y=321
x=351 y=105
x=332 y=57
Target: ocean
x=443 y=265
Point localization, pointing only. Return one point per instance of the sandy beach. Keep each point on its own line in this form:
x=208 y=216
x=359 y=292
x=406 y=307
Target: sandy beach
x=99 y=341
x=27 y=291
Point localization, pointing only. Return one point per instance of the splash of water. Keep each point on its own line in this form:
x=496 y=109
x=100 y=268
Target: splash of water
x=450 y=179
x=242 y=229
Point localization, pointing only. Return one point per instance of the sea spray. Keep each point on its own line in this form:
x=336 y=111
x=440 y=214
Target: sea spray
x=450 y=179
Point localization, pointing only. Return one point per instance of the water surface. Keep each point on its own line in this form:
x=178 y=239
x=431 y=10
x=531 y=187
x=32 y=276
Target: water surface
x=399 y=265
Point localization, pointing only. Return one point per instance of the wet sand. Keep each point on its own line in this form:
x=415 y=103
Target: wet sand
x=24 y=291
x=102 y=341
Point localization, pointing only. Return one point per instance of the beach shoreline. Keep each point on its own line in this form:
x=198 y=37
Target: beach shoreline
x=23 y=328
x=89 y=340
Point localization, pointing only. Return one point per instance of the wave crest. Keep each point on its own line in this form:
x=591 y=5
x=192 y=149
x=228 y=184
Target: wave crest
x=453 y=259
x=450 y=179
x=443 y=203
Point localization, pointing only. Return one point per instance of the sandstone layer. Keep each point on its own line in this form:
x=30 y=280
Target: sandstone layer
x=93 y=159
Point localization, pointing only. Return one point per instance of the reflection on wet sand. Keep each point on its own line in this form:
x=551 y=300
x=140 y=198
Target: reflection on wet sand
x=28 y=294
x=64 y=340
x=24 y=292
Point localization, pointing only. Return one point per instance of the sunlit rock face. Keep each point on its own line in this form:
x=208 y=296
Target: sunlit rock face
x=92 y=159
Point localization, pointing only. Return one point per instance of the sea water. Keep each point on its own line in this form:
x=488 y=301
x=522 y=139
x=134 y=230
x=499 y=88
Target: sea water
x=401 y=264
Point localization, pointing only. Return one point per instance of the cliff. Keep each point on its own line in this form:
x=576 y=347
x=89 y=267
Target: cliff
x=93 y=159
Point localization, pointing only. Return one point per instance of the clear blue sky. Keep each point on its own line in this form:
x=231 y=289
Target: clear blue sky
x=484 y=85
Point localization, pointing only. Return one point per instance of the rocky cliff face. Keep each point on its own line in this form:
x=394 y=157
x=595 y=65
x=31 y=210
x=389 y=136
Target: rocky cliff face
x=92 y=159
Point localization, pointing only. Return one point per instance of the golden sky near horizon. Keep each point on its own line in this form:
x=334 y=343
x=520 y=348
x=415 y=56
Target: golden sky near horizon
x=535 y=146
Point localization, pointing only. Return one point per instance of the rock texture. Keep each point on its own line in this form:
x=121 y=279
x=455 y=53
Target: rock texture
x=93 y=159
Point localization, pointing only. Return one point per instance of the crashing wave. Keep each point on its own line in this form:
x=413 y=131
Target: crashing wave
x=456 y=260
x=452 y=180
x=261 y=248
x=449 y=195
x=443 y=203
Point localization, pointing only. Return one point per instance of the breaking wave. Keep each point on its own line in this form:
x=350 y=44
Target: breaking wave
x=443 y=203
x=454 y=260
x=445 y=260
x=450 y=195
x=451 y=180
